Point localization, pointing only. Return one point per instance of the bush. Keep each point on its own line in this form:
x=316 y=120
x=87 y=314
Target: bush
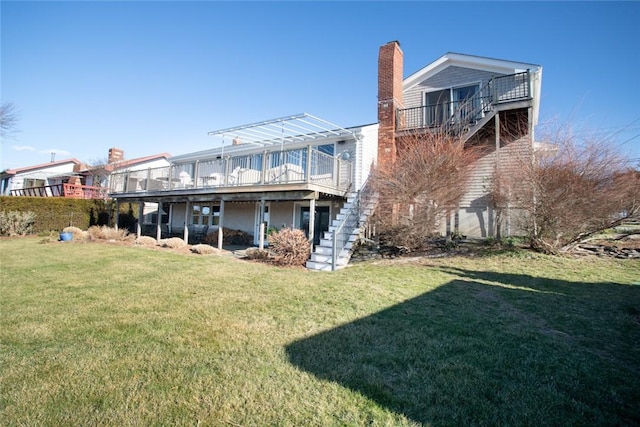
x=78 y=234
x=145 y=241
x=107 y=233
x=203 y=249
x=14 y=223
x=404 y=236
x=173 y=243
x=229 y=237
x=257 y=254
x=55 y=213
x=289 y=247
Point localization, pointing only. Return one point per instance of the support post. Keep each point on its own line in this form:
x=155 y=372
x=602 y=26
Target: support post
x=220 y=225
x=186 y=222
x=117 y=219
x=140 y=216
x=312 y=221
x=261 y=227
x=159 y=223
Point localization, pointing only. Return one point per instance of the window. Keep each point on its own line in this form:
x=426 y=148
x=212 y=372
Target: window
x=205 y=214
x=441 y=105
x=33 y=182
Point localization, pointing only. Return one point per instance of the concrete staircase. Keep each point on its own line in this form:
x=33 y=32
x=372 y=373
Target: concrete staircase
x=348 y=226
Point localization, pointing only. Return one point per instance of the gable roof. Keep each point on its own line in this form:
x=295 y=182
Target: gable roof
x=41 y=166
x=492 y=65
x=133 y=162
x=498 y=66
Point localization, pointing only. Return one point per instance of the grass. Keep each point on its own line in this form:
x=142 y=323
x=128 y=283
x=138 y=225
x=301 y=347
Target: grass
x=100 y=334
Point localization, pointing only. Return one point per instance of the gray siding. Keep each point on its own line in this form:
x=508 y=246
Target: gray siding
x=476 y=218
x=449 y=77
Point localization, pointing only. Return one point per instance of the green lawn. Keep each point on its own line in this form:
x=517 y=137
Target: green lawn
x=101 y=334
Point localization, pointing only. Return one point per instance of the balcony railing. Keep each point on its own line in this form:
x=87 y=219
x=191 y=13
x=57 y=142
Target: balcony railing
x=455 y=116
x=304 y=165
x=72 y=191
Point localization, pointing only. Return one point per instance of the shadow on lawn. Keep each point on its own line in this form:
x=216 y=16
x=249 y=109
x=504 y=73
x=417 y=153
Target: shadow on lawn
x=475 y=352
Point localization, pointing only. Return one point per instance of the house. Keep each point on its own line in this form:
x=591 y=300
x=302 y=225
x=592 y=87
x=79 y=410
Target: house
x=303 y=172
x=481 y=101
x=44 y=180
x=296 y=171
x=72 y=178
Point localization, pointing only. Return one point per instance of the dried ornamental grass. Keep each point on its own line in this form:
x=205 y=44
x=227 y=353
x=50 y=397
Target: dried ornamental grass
x=146 y=241
x=203 y=249
x=173 y=243
x=107 y=233
x=78 y=234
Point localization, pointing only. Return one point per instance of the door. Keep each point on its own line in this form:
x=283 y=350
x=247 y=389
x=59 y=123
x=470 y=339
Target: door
x=322 y=220
x=436 y=107
x=464 y=104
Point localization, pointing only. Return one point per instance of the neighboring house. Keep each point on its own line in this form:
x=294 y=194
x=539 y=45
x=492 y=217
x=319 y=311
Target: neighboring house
x=483 y=101
x=71 y=178
x=45 y=180
x=303 y=172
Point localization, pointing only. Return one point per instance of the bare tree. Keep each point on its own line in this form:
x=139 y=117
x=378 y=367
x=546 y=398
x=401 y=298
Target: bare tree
x=569 y=192
x=8 y=119
x=420 y=190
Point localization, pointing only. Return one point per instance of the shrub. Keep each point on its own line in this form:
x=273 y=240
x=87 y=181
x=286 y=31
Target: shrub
x=404 y=236
x=289 y=247
x=173 y=243
x=203 y=249
x=229 y=237
x=107 y=233
x=13 y=223
x=146 y=241
x=257 y=254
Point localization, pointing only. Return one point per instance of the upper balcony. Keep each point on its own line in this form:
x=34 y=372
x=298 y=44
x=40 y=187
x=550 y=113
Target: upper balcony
x=456 y=116
x=294 y=153
x=293 y=169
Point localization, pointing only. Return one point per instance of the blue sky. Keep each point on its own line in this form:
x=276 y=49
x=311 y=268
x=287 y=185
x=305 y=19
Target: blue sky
x=152 y=77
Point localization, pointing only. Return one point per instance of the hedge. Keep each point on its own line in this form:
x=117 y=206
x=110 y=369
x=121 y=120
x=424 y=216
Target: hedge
x=56 y=213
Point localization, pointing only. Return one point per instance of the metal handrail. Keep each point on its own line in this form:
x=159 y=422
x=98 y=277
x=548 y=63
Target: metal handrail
x=340 y=235
x=456 y=116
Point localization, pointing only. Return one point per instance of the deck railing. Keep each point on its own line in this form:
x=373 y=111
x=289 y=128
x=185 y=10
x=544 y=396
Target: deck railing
x=455 y=116
x=72 y=191
x=301 y=165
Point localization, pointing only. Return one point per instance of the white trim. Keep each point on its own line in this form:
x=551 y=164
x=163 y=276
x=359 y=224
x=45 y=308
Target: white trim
x=491 y=65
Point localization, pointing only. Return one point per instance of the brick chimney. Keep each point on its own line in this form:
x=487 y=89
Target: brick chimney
x=115 y=155
x=390 y=59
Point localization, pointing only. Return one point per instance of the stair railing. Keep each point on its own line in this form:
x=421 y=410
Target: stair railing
x=466 y=113
x=351 y=221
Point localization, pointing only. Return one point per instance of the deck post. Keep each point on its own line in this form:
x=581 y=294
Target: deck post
x=159 y=222
x=261 y=227
x=307 y=171
x=186 y=222
x=117 y=219
x=220 y=222
x=140 y=216
x=312 y=221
